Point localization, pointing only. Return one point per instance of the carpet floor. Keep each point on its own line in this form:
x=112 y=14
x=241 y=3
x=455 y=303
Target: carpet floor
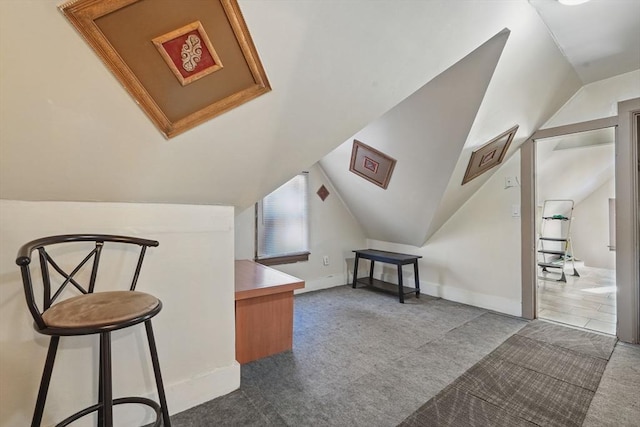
x=544 y=375
x=362 y=359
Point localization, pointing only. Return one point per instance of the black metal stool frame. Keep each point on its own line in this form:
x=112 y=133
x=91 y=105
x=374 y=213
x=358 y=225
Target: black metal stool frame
x=104 y=407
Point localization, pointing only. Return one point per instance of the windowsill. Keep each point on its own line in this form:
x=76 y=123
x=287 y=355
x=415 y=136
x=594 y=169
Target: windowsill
x=288 y=259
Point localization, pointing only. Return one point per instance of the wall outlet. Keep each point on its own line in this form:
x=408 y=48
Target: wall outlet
x=325 y=260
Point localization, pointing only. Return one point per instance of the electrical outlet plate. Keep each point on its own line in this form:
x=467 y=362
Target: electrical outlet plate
x=515 y=211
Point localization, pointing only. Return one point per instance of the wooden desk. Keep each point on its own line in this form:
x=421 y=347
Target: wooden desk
x=264 y=310
x=390 y=258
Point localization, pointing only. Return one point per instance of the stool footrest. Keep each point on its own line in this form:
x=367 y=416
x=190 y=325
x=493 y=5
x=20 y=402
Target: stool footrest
x=122 y=400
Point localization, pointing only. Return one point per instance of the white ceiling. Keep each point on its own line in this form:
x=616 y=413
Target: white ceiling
x=425 y=133
x=415 y=205
x=335 y=67
x=594 y=47
x=600 y=38
x=574 y=166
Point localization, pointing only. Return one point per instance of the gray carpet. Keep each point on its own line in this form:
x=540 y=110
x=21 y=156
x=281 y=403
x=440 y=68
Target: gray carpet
x=362 y=359
x=545 y=375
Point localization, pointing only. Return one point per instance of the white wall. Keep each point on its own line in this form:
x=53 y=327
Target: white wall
x=333 y=232
x=597 y=100
x=590 y=228
x=425 y=134
x=474 y=258
x=586 y=176
x=426 y=177
x=192 y=274
x=63 y=109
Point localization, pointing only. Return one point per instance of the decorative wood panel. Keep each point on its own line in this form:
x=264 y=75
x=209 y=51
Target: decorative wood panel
x=371 y=164
x=489 y=155
x=142 y=42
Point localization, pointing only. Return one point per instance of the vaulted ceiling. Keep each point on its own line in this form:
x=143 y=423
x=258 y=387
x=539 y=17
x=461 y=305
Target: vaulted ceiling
x=433 y=133
x=574 y=166
x=425 y=134
x=71 y=132
x=601 y=38
x=529 y=83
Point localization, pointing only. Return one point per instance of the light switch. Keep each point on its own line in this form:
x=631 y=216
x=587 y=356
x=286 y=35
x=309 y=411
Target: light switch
x=515 y=211
x=510 y=181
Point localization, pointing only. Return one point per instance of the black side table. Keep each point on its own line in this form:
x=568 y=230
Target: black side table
x=389 y=258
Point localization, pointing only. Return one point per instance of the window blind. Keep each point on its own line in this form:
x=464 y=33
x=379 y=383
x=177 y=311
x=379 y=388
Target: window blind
x=282 y=220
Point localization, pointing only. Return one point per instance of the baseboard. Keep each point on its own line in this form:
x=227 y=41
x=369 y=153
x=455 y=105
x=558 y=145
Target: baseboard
x=194 y=391
x=326 y=282
x=451 y=293
x=465 y=296
x=183 y=395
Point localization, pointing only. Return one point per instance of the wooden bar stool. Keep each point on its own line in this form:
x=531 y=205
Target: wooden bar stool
x=90 y=313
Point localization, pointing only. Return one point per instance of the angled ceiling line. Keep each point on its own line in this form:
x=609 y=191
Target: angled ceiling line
x=425 y=133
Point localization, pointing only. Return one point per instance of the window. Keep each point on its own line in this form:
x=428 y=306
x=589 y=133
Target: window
x=282 y=224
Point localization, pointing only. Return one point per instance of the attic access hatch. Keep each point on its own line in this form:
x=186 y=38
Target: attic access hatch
x=183 y=62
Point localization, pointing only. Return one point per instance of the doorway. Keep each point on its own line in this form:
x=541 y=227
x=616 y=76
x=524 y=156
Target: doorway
x=627 y=205
x=575 y=223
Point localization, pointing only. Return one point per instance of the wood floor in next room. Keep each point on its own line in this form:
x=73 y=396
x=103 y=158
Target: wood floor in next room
x=588 y=301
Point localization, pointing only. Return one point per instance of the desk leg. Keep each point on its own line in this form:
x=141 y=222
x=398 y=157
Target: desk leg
x=415 y=274
x=371 y=272
x=400 y=288
x=355 y=271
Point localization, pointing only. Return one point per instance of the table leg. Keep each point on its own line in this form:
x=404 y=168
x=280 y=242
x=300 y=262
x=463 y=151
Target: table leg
x=400 y=288
x=371 y=272
x=415 y=273
x=355 y=271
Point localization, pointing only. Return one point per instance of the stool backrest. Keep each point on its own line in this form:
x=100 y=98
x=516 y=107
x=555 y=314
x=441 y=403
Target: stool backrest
x=47 y=263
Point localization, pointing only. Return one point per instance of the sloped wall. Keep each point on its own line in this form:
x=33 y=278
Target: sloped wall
x=474 y=257
x=425 y=133
x=597 y=100
x=334 y=68
x=433 y=132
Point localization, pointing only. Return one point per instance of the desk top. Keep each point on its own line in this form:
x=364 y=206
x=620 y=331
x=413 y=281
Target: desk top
x=385 y=256
x=255 y=280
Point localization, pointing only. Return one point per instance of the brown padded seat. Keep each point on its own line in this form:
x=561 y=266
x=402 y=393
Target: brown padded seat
x=99 y=309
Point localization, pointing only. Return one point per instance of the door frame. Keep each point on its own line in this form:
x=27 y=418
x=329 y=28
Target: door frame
x=627 y=227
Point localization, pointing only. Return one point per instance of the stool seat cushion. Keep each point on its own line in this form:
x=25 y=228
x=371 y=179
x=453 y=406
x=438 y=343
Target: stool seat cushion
x=99 y=309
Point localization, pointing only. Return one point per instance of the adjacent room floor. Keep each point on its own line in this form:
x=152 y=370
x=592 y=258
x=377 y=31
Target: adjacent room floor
x=362 y=359
x=588 y=301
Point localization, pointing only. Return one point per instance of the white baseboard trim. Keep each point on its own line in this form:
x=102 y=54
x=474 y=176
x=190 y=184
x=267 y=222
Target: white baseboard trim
x=196 y=390
x=465 y=296
x=184 y=394
x=490 y=302
x=330 y=281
